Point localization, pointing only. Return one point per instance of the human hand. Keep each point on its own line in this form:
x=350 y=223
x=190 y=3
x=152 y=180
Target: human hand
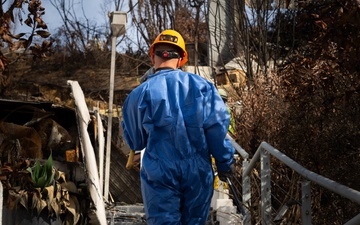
x=224 y=175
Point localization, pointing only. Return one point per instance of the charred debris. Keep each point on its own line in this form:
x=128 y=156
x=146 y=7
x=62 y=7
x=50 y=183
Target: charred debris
x=43 y=171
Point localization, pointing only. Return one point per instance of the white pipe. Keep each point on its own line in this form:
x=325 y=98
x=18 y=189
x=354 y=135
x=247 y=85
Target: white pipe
x=110 y=115
x=101 y=141
x=88 y=154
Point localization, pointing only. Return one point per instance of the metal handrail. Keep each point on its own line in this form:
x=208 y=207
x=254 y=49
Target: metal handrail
x=329 y=184
x=237 y=147
x=340 y=189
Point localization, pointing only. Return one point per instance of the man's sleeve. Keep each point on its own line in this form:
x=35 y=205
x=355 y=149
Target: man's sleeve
x=133 y=114
x=216 y=126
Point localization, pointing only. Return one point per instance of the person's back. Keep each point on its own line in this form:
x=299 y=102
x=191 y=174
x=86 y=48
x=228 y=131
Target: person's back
x=181 y=120
x=176 y=116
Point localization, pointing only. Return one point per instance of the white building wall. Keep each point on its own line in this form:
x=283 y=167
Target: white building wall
x=223 y=44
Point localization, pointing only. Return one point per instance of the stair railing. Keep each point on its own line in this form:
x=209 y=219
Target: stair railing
x=263 y=154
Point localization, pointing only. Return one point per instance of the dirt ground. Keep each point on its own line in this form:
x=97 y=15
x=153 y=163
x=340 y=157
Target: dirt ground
x=25 y=83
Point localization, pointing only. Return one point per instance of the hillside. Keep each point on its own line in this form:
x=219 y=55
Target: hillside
x=46 y=80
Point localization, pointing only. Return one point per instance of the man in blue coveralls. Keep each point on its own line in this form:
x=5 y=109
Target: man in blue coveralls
x=182 y=121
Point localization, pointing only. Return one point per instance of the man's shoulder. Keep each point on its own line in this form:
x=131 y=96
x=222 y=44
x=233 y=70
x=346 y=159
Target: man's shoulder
x=178 y=74
x=195 y=76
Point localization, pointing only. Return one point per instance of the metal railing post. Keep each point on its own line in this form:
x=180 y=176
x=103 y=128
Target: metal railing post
x=1 y=202
x=265 y=187
x=263 y=153
x=246 y=194
x=306 y=202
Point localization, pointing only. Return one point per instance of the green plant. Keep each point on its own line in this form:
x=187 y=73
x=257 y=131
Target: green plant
x=43 y=187
x=42 y=175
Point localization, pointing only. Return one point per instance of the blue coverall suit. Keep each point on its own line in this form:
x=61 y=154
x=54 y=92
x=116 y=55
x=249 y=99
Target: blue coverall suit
x=182 y=121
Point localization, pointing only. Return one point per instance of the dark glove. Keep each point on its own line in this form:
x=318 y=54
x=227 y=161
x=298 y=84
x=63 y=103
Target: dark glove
x=224 y=175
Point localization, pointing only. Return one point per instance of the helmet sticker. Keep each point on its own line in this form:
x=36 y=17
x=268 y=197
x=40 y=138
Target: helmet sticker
x=165 y=37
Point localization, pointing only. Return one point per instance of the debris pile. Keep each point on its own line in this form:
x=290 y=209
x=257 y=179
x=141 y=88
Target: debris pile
x=41 y=170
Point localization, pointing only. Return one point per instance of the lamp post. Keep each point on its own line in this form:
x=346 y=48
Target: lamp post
x=117 y=23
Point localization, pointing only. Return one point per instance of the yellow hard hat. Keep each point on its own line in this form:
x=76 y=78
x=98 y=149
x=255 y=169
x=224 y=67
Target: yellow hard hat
x=174 y=38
